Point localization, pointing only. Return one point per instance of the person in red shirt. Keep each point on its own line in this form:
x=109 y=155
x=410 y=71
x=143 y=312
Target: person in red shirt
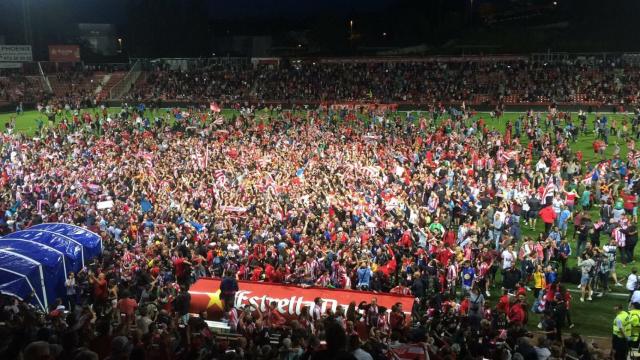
x=127 y=306
x=629 y=202
x=405 y=241
x=444 y=253
x=517 y=315
x=276 y=320
x=397 y=317
x=180 y=265
x=100 y=291
x=548 y=216
x=504 y=303
x=256 y=273
x=449 y=238
x=401 y=289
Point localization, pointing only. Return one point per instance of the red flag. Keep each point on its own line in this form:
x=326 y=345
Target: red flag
x=214 y=107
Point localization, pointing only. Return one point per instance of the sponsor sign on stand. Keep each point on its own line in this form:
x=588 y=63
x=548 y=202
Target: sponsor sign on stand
x=64 y=53
x=290 y=299
x=15 y=53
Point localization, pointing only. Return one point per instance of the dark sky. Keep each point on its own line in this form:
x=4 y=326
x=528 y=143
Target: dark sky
x=112 y=10
x=173 y=27
x=279 y=8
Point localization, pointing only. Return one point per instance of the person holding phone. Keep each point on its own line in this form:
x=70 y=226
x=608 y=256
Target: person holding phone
x=70 y=285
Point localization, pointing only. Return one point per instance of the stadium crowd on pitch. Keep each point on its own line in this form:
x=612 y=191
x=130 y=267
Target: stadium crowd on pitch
x=486 y=222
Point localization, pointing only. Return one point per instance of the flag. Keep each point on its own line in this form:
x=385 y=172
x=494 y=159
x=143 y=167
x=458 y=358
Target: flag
x=371 y=139
x=200 y=161
x=221 y=178
x=40 y=204
x=549 y=190
x=588 y=178
x=619 y=237
x=197 y=226
x=145 y=205
x=508 y=155
x=237 y=209
x=214 y=107
x=372 y=171
x=148 y=158
x=218 y=121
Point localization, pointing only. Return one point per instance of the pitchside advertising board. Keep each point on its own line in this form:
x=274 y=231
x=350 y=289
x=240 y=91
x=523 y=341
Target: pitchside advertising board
x=15 y=53
x=205 y=297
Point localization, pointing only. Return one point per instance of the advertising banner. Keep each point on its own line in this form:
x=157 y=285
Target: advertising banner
x=64 y=53
x=290 y=299
x=10 y=65
x=15 y=53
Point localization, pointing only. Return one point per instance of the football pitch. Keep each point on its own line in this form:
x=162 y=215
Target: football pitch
x=592 y=318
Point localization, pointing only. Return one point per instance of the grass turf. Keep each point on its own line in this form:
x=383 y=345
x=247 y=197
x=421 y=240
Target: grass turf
x=590 y=318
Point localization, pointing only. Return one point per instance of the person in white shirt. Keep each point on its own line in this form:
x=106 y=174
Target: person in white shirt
x=632 y=282
x=498 y=224
x=635 y=297
x=508 y=257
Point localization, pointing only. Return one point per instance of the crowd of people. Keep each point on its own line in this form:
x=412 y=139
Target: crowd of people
x=433 y=205
x=613 y=82
x=16 y=87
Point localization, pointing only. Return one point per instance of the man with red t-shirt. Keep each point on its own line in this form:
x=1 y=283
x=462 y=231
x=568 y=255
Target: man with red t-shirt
x=180 y=264
x=548 y=216
x=127 y=306
x=276 y=320
x=100 y=291
x=517 y=314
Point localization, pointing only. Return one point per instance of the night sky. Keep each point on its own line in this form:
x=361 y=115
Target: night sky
x=191 y=27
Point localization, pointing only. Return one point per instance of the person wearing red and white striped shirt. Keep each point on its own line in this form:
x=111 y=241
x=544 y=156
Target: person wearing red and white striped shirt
x=401 y=289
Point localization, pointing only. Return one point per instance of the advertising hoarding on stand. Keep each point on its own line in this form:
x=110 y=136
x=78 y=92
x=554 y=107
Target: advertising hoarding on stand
x=64 y=53
x=15 y=53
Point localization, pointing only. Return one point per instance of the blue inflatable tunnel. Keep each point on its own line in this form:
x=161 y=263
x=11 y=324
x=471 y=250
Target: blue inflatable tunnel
x=51 y=260
x=72 y=250
x=34 y=263
x=14 y=284
x=30 y=270
x=90 y=241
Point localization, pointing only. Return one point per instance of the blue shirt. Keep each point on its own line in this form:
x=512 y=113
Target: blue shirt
x=564 y=216
x=551 y=277
x=364 y=276
x=468 y=274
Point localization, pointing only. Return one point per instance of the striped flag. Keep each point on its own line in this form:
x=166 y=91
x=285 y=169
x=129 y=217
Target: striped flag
x=371 y=139
x=221 y=178
x=372 y=171
x=218 y=121
x=508 y=155
x=200 y=161
x=236 y=209
x=587 y=179
x=549 y=189
x=619 y=237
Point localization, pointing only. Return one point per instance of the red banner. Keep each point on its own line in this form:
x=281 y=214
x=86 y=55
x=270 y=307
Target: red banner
x=64 y=53
x=205 y=296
